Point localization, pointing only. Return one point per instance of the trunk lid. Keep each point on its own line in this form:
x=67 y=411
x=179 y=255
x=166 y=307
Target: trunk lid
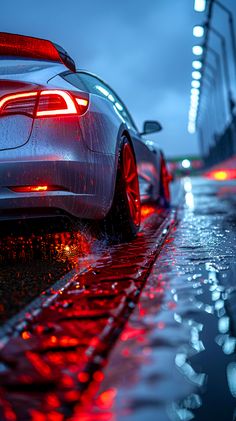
x=15 y=129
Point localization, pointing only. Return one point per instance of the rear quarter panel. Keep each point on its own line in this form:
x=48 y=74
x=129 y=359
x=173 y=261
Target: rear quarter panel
x=101 y=125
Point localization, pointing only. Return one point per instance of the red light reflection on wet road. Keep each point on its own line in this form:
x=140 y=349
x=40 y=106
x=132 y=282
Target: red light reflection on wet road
x=58 y=350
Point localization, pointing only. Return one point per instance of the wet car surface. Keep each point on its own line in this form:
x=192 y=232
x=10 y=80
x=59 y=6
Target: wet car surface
x=173 y=360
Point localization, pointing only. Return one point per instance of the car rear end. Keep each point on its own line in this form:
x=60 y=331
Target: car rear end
x=45 y=165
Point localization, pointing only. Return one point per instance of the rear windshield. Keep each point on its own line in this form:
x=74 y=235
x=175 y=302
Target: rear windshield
x=11 y=66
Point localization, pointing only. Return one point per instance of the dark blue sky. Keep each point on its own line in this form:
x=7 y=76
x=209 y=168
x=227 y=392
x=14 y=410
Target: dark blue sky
x=142 y=48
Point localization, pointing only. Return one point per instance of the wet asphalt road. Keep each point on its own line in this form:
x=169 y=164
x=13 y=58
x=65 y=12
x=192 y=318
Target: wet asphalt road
x=174 y=359
x=54 y=349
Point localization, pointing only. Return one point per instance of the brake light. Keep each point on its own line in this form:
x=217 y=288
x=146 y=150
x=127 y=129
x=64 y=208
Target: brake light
x=23 y=103
x=55 y=102
x=46 y=103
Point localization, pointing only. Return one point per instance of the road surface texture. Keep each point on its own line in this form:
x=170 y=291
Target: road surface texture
x=138 y=331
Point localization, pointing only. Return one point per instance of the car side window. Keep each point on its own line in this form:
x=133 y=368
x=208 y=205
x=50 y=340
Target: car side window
x=75 y=80
x=96 y=86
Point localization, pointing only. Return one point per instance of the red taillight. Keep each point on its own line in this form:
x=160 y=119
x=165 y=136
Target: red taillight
x=55 y=102
x=46 y=103
x=22 y=103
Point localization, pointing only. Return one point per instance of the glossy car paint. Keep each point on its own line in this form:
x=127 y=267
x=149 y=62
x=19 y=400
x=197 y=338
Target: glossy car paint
x=77 y=153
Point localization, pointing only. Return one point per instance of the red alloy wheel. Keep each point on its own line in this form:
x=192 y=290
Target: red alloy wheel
x=131 y=183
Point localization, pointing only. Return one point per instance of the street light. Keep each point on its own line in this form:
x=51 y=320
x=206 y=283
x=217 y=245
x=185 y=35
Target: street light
x=197 y=50
x=193 y=110
x=200 y=5
x=198 y=31
x=192 y=117
x=195 y=91
x=196 y=84
x=197 y=64
x=191 y=128
x=194 y=99
x=186 y=163
x=196 y=75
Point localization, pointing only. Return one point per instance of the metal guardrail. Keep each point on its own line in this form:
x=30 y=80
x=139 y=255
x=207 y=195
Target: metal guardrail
x=213 y=99
x=224 y=146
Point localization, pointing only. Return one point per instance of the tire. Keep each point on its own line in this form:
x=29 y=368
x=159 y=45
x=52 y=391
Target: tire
x=164 y=186
x=123 y=220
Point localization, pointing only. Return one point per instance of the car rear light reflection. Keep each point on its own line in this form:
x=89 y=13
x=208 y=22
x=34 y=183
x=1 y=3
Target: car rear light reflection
x=45 y=103
x=35 y=189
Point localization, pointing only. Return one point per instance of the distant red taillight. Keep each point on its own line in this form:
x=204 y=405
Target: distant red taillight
x=45 y=103
x=222 y=175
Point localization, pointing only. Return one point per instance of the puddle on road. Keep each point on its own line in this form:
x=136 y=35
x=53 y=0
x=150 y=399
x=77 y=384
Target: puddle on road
x=176 y=358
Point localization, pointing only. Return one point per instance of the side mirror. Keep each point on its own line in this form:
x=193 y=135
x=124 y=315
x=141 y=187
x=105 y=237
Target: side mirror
x=151 y=126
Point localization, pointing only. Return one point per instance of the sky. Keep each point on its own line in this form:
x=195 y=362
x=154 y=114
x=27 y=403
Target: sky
x=142 y=48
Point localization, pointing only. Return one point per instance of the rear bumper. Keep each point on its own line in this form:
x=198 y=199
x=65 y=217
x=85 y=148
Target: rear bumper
x=85 y=190
x=24 y=205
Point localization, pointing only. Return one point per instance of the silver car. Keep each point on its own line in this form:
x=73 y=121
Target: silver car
x=68 y=143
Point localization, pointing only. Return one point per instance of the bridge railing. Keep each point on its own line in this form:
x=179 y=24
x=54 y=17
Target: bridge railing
x=224 y=146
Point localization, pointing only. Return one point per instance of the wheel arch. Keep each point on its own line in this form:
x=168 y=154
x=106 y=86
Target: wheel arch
x=123 y=131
